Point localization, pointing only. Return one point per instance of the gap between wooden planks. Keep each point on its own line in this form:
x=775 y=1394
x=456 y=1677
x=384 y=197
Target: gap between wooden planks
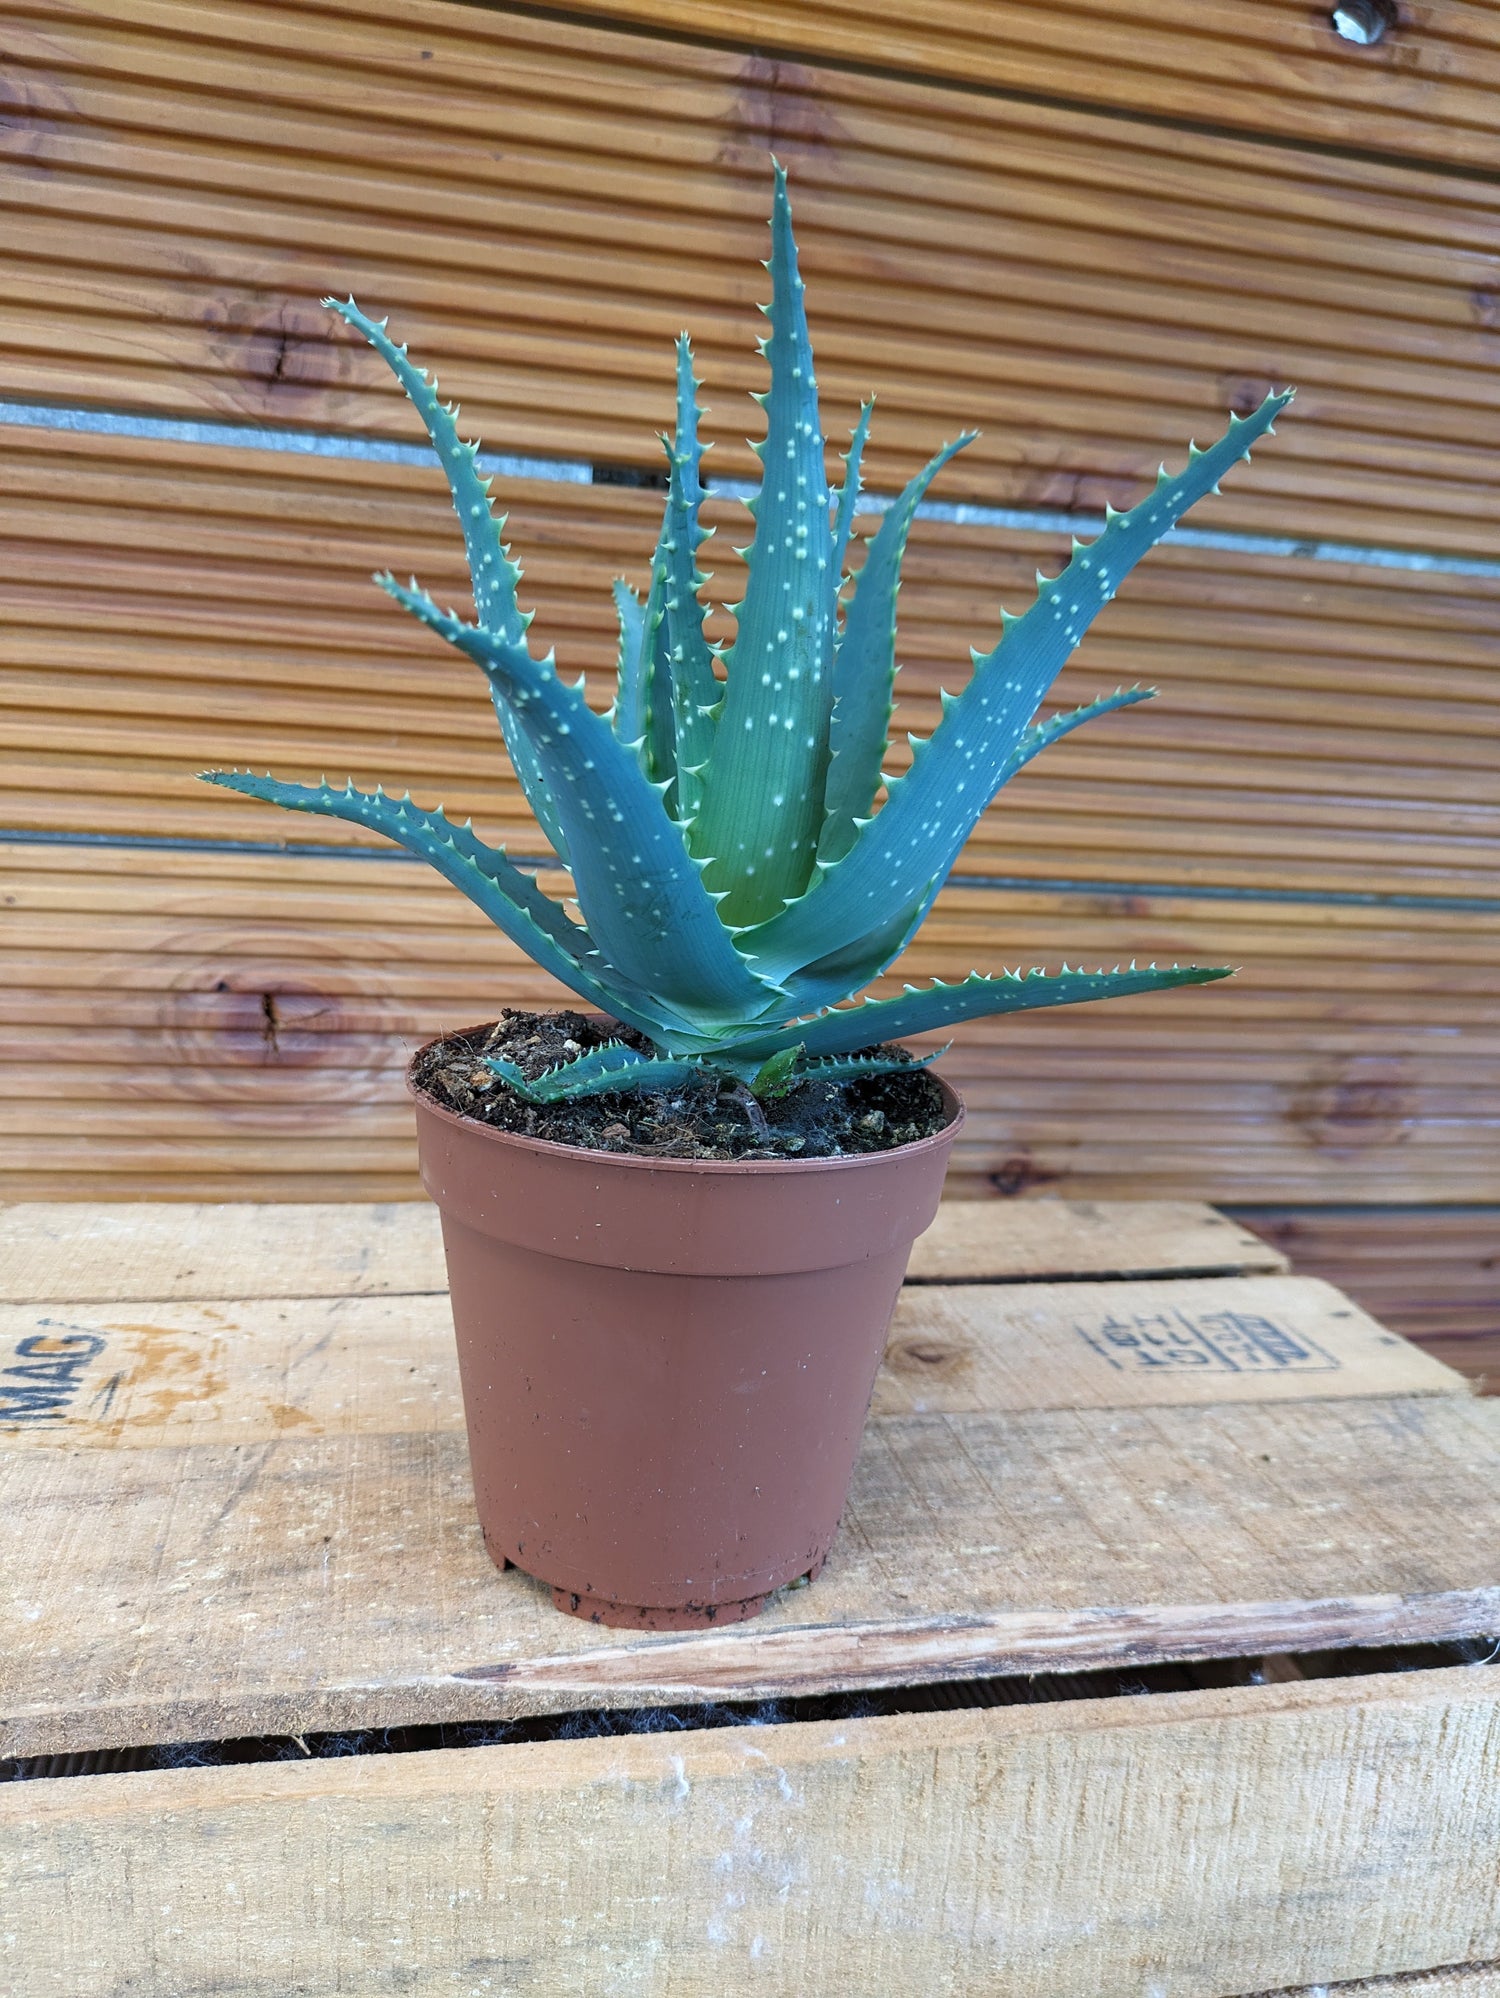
x=1196 y=1843
x=268 y=1526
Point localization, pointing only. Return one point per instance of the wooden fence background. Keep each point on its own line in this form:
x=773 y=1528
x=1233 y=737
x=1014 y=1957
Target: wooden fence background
x=1086 y=229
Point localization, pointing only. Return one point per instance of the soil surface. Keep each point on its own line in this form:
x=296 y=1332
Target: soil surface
x=707 y=1120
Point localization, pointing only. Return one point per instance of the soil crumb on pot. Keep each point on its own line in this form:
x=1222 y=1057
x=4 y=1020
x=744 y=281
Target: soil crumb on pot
x=707 y=1120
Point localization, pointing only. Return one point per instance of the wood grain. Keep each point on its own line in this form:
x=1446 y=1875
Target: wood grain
x=1091 y=288
x=1299 y=1832
x=78 y=1253
x=1087 y=289
x=1423 y=1269
x=270 y=1527
x=1353 y=1057
x=253 y=634
x=1471 y=1980
x=1428 y=1272
x=1428 y=90
x=155 y=1374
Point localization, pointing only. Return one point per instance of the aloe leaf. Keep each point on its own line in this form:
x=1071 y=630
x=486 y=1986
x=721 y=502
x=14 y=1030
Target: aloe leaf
x=572 y=1078
x=930 y=811
x=528 y=768
x=777 y=1076
x=641 y=1072
x=1043 y=734
x=763 y=788
x=641 y=894
x=494 y=575
x=657 y=737
x=513 y=1077
x=843 y=525
x=828 y=979
x=864 y=669
x=923 y=1011
x=671 y=685
x=642 y=711
x=695 y=692
x=831 y=978
x=628 y=715
x=597 y=1073
x=509 y=897
x=854 y=1067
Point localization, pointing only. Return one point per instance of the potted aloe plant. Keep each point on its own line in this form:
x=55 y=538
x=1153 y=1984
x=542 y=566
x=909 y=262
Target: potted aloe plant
x=668 y=1344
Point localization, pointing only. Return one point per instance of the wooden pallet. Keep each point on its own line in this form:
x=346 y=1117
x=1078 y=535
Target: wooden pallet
x=233 y=1502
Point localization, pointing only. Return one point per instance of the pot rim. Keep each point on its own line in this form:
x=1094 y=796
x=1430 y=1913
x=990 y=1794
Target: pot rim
x=550 y=1148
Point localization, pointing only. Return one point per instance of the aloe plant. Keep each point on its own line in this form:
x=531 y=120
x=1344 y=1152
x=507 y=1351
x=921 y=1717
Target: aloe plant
x=738 y=874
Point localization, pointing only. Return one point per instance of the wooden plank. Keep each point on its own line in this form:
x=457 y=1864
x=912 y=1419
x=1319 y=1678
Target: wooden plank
x=1186 y=1341
x=1275 y=69
x=295 y=1533
x=968 y=1242
x=156 y=1374
x=1215 y=1839
x=99 y=1254
x=77 y=1254
x=100 y=705
x=1353 y=1058
x=1087 y=289
x=1428 y=1272
x=1472 y=1980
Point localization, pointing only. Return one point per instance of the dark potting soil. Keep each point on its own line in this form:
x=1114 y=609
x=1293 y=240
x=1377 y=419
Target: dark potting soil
x=707 y=1120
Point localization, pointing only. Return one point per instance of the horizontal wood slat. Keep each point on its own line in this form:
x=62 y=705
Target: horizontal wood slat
x=258 y=1505
x=168 y=608
x=542 y=204
x=161 y=1376
x=1023 y=1503
x=1431 y=1273
x=1221 y=1837
x=72 y=1253
x=180 y=1022
x=1431 y=88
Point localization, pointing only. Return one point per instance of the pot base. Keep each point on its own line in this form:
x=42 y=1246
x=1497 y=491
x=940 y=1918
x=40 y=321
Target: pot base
x=677 y=1616
x=634 y=1616
x=652 y=1616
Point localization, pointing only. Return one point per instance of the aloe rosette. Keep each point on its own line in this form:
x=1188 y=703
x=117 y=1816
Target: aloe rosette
x=737 y=878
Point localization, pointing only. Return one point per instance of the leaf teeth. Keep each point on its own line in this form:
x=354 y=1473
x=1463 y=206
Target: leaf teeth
x=988 y=728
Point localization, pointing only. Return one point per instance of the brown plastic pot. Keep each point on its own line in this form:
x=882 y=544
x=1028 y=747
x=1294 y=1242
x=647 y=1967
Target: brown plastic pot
x=667 y=1364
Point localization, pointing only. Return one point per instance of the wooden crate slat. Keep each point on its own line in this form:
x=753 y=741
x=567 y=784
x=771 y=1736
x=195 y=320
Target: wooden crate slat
x=1216 y=1839
x=374 y=1604
x=1428 y=1272
x=77 y=1253
x=1472 y=1980
x=155 y=1374
x=261 y=1465
x=1058 y=1239
x=268 y=1529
